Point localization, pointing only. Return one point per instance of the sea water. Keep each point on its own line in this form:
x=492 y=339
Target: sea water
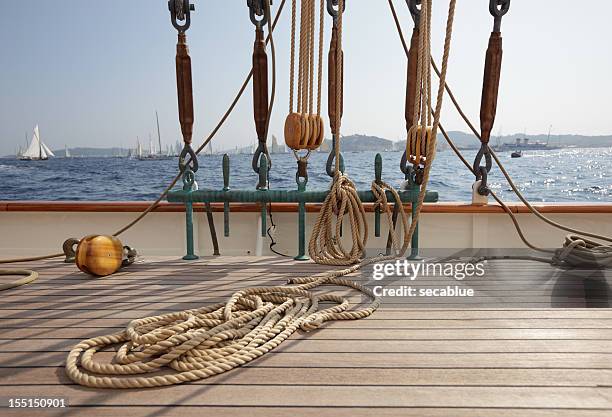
x=564 y=175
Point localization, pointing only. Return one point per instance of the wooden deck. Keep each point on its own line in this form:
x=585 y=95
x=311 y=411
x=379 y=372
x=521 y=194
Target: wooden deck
x=506 y=352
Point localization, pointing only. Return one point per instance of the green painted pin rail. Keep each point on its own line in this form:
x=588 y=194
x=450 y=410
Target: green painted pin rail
x=189 y=195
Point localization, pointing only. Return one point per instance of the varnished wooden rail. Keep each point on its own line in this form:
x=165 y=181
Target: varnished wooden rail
x=138 y=206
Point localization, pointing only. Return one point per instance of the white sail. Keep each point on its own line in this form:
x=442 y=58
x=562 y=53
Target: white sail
x=66 y=151
x=46 y=149
x=37 y=149
x=34 y=149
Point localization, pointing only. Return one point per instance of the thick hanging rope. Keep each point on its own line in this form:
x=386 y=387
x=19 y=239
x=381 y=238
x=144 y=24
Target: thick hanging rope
x=304 y=129
x=204 y=342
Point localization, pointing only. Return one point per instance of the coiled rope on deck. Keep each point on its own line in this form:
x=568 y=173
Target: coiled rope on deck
x=203 y=342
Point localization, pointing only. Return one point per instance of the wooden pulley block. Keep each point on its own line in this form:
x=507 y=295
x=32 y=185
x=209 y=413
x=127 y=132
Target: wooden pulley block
x=306 y=126
x=314 y=131
x=101 y=255
x=416 y=149
x=319 y=134
x=293 y=130
x=321 y=137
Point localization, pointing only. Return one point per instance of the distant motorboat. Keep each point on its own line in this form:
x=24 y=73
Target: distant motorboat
x=516 y=154
x=37 y=150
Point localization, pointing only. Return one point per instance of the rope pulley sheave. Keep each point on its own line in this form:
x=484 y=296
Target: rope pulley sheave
x=304 y=127
x=180 y=11
x=258 y=12
x=490 y=88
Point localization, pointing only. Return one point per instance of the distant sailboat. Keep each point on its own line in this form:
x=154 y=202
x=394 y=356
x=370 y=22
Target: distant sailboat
x=66 y=152
x=153 y=153
x=138 y=149
x=37 y=150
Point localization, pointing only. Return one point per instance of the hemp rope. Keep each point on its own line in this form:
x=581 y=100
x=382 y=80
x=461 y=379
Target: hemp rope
x=576 y=250
x=306 y=58
x=325 y=245
x=203 y=342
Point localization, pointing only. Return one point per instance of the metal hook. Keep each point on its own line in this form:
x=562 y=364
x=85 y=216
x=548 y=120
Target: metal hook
x=498 y=8
x=329 y=165
x=261 y=149
x=331 y=8
x=180 y=10
x=482 y=175
x=258 y=8
x=187 y=150
x=486 y=152
x=415 y=11
x=404 y=167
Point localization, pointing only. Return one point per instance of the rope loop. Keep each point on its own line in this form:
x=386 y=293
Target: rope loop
x=325 y=246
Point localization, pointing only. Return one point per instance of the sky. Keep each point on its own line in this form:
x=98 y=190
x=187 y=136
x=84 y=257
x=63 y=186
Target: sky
x=92 y=73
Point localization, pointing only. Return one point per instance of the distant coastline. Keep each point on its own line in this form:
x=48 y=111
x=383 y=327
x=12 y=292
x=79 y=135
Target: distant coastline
x=361 y=142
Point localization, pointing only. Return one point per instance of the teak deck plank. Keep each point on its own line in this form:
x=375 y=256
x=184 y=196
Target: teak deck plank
x=506 y=352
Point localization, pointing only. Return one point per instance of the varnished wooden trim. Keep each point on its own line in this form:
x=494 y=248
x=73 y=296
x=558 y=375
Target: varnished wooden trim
x=165 y=207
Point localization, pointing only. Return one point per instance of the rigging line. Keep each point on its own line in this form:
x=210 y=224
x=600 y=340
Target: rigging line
x=273 y=92
x=586 y=254
x=200 y=343
x=292 y=57
x=320 y=69
x=209 y=138
x=505 y=172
